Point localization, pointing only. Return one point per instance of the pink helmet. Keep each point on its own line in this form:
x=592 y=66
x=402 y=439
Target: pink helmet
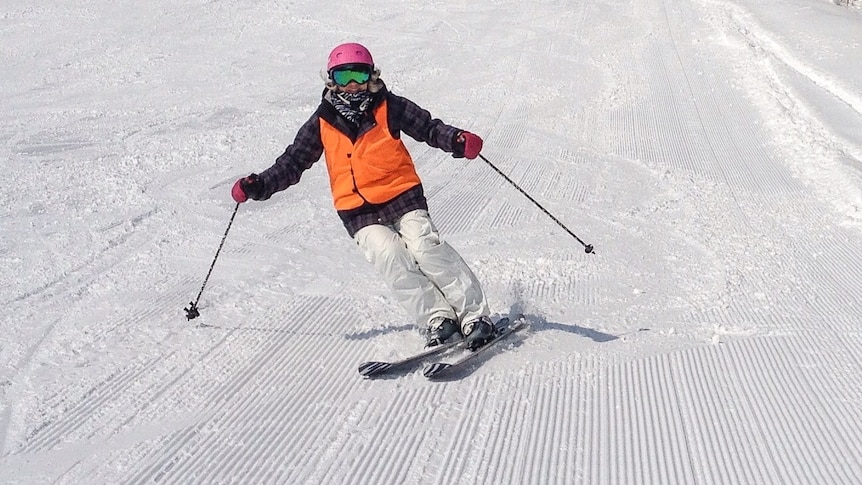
x=350 y=53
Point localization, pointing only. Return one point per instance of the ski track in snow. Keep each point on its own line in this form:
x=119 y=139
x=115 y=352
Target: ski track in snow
x=712 y=338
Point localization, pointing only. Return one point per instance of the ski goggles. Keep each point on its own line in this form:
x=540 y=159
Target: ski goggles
x=343 y=76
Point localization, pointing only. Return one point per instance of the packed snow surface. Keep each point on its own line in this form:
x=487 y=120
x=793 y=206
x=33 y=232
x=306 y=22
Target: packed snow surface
x=710 y=150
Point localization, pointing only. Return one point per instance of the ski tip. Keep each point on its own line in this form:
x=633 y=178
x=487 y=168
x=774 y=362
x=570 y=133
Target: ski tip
x=514 y=321
x=368 y=369
x=519 y=321
x=435 y=369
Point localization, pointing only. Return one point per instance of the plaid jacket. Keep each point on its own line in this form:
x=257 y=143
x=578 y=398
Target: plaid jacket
x=404 y=116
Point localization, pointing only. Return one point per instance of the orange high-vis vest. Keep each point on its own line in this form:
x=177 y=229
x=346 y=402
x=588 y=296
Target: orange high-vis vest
x=375 y=169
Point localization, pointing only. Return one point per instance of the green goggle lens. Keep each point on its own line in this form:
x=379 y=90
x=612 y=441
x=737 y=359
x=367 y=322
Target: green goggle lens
x=343 y=77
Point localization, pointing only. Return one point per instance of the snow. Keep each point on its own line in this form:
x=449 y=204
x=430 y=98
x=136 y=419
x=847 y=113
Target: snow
x=710 y=150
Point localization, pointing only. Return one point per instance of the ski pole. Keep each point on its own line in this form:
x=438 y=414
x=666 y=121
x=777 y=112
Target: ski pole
x=587 y=247
x=192 y=310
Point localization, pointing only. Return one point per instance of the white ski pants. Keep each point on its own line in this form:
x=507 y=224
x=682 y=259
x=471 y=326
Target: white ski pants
x=429 y=278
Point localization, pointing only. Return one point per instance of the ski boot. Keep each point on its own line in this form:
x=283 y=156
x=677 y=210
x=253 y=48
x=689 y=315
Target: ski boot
x=440 y=330
x=478 y=332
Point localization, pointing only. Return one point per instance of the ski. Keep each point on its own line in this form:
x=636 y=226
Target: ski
x=375 y=368
x=442 y=369
x=378 y=368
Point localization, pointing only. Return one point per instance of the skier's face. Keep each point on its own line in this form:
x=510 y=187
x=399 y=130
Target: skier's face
x=354 y=87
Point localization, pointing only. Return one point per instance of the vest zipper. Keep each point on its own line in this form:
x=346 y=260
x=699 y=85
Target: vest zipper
x=353 y=178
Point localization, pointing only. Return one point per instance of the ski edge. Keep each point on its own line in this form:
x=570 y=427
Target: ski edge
x=375 y=368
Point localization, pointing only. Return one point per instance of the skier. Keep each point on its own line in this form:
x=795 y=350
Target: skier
x=379 y=196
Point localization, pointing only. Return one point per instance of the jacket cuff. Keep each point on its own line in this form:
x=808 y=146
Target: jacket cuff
x=457 y=148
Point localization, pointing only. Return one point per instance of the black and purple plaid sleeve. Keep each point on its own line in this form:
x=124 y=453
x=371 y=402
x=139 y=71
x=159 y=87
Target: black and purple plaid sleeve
x=408 y=117
x=298 y=157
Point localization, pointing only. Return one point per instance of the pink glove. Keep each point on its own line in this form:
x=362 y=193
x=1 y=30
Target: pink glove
x=246 y=187
x=472 y=144
x=237 y=193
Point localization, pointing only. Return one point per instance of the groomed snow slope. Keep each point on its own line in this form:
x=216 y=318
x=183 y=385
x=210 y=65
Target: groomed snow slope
x=709 y=149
